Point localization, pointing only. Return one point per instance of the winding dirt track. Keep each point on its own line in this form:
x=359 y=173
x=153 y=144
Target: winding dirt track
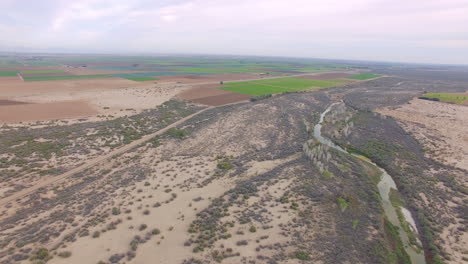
x=95 y=161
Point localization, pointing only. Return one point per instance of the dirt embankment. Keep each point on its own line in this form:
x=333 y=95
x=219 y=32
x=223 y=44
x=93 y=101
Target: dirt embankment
x=432 y=191
x=440 y=127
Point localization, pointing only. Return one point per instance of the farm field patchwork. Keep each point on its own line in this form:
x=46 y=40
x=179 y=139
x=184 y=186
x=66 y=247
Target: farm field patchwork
x=280 y=85
x=446 y=97
x=364 y=76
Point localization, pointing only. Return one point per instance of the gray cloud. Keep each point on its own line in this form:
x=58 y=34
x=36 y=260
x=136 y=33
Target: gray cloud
x=418 y=30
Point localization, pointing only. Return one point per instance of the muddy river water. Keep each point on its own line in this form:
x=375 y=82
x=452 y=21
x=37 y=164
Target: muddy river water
x=385 y=185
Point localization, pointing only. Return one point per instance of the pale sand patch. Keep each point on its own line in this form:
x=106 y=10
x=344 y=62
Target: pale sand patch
x=259 y=167
x=111 y=101
x=268 y=233
x=172 y=218
x=440 y=127
x=170 y=250
x=455 y=241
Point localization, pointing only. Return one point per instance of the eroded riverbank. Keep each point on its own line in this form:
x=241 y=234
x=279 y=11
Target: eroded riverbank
x=385 y=186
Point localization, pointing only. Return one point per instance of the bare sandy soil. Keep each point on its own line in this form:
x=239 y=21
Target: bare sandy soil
x=15 y=87
x=45 y=111
x=113 y=102
x=106 y=97
x=440 y=127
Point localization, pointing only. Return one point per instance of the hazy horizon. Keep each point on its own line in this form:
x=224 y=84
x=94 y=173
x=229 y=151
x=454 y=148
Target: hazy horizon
x=380 y=30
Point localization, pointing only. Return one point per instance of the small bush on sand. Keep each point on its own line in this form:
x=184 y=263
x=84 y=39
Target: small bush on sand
x=155 y=231
x=301 y=255
x=96 y=234
x=115 y=211
x=177 y=133
x=64 y=254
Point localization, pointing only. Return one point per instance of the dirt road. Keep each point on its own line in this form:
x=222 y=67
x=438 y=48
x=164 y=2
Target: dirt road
x=95 y=161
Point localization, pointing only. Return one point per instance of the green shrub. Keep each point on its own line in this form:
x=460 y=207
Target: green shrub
x=253 y=229
x=302 y=255
x=224 y=164
x=41 y=254
x=64 y=254
x=260 y=97
x=177 y=133
x=294 y=206
x=343 y=203
x=115 y=211
x=284 y=199
x=327 y=174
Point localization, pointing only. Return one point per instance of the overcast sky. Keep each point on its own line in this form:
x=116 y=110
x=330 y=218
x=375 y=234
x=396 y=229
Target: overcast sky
x=433 y=31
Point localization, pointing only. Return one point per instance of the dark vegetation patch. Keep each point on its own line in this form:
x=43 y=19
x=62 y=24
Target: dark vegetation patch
x=10 y=102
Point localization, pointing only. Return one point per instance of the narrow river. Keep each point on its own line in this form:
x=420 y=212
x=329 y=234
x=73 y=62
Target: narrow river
x=385 y=185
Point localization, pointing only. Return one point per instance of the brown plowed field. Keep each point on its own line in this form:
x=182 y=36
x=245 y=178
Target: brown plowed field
x=327 y=76
x=47 y=111
x=208 y=78
x=209 y=95
x=13 y=86
x=46 y=74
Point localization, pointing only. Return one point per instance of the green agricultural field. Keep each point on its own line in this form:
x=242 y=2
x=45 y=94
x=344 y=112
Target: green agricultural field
x=64 y=77
x=280 y=85
x=141 y=79
x=364 y=76
x=8 y=73
x=42 y=71
x=446 y=97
